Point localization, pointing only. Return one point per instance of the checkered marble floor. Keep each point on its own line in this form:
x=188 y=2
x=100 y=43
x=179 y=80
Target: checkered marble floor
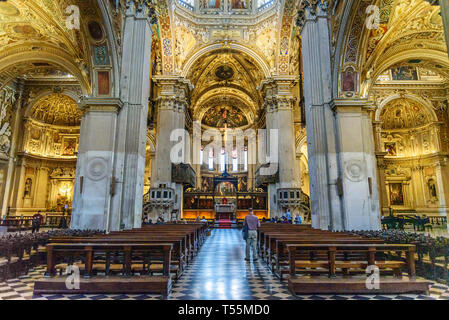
x=219 y=272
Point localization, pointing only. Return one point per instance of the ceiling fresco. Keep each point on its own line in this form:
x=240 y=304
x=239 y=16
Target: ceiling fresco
x=57 y=109
x=224 y=116
x=404 y=114
x=225 y=77
x=254 y=24
x=35 y=24
x=406 y=29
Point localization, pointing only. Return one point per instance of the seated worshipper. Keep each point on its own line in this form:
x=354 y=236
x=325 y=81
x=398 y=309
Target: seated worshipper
x=203 y=219
x=37 y=221
x=288 y=215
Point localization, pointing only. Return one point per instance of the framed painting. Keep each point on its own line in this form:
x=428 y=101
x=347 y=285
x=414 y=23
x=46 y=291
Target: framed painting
x=396 y=194
x=69 y=146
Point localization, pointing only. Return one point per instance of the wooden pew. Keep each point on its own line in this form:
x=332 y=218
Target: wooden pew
x=178 y=252
x=97 y=284
x=334 y=261
x=280 y=252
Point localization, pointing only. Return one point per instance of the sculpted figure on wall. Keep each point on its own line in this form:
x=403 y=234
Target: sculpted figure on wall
x=27 y=190
x=7 y=100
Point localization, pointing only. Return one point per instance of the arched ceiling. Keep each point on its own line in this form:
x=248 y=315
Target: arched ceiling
x=404 y=113
x=40 y=27
x=225 y=78
x=224 y=115
x=268 y=30
x=409 y=30
x=56 y=109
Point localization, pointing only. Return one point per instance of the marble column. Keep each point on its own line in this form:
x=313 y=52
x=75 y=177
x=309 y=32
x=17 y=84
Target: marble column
x=444 y=5
x=442 y=176
x=172 y=105
x=132 y=122
x=111 y=158
x=19 y=185
x=357 y=160
x=41 y=196
x=279 y=102
x=323 y=168
x=17 y=132
x=383 y=199
x=94 y=182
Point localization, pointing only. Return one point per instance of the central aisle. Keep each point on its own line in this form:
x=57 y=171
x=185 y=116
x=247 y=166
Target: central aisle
x=221 y=272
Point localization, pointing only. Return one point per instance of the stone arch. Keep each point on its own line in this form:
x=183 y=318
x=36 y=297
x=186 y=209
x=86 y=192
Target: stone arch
x=410 y=54
x=427 y=105
x=349 y=38
x=151 y=141
x=71 y=94
x=245 y=100
x=218 y=46
x=112 y=45
x=353 y=39
x=73 y=114
x=43 y=53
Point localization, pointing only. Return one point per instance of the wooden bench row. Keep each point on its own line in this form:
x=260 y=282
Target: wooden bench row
x=151 y=257
x=306 y=254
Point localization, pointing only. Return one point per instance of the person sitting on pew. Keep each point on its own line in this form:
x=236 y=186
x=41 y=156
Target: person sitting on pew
x=147 y=221
x=37 y=221
x=160 y=220
x=198 y=219
x=203 y=219
x=288 y=215
x=253 y=223
x=298 y=219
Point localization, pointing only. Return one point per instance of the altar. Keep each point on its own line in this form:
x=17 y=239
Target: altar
x=225 y=211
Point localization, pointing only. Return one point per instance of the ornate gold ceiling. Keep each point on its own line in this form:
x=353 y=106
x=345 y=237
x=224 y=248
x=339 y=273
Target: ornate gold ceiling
x=56 y=109
x=404 y=114
x=225 y=78
x=409 y=30
x=40 y=26
x=225 y=115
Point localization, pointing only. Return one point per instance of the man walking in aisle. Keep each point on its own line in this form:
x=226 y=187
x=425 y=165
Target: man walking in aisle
x=252 y=223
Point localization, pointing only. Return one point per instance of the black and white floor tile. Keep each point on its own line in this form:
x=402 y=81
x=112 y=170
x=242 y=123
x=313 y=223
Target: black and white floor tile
x=219 y=272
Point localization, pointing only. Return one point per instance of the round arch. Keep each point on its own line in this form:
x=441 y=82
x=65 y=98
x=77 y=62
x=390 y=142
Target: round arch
x=235 y=93
x=410 y=54
x=218 y=46
x=425 y=104
x=71 y=94
x=40 y=53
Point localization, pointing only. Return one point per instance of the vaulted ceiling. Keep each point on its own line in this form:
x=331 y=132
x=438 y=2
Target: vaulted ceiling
x=225 y=78
x=42 y=29
x=411 y=32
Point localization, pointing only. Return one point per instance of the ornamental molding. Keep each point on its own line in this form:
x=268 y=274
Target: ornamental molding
x=141 y=9
x=311 y=9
